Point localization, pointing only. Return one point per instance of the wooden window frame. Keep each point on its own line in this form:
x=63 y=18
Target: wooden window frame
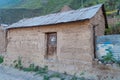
x=47 y=44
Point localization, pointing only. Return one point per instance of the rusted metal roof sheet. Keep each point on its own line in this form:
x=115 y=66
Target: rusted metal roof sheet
x=70 y=16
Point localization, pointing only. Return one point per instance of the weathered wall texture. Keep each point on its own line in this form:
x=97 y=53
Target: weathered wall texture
x=99 y=22
x=74 y=46
x=2 y=40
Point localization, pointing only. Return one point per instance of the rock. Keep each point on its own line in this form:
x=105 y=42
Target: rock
x=99 y=62
x=55 y=78
x=96 y=59
x=9 y=73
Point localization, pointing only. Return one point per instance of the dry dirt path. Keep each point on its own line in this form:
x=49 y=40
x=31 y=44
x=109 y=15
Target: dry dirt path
x=8 y=73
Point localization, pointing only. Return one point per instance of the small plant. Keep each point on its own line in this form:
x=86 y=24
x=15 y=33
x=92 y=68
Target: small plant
x=82 y=73
x=118 y=61
x=65 y=73
x=55 y=75
x=42 y=70
x=18 y=63
x=108 y=58
x=46 y=77
x=113 y=29
x=74 y=77
x=62 y=78
x=81 y=76
x=1 y=59
x=30 y=68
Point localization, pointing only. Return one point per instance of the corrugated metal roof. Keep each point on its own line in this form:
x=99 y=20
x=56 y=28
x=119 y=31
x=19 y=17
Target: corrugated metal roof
x=73 y=15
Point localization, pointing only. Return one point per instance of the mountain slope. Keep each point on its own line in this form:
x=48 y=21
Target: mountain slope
x=13 y=10
x=28 y=4
x=55 y=4
x=9 y=3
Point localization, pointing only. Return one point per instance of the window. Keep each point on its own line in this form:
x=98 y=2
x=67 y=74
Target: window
x=51 y=44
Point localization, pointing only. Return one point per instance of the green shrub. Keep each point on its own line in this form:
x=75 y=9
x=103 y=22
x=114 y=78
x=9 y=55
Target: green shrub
x=108 y=58
x=1 y=59
x=115 y=29
x=46 y=77
x=18 y=63
x=55 y=75
x=31 y=67
x=43 y=70
x=74 y=77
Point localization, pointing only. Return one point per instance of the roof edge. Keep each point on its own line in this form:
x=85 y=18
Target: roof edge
x=104 y=13
x=46 y=24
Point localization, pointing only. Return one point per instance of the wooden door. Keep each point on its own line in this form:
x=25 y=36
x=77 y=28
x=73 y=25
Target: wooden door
x=51 y=44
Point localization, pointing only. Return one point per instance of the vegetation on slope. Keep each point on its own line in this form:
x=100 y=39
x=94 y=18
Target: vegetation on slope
x=9 y=3
x=52 y=5
x=13 y=10
x=30 y=4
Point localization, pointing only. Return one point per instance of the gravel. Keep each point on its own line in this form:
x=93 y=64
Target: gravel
x=8 y=73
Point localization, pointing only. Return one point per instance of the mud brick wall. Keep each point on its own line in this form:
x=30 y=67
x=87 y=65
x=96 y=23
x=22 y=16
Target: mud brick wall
x=74 y=46
x=2 y=40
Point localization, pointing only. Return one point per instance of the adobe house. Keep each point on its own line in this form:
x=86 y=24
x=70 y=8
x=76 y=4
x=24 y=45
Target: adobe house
x=65 y=42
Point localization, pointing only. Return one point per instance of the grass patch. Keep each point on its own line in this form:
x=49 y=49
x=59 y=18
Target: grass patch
x=113 y=29
x=18 y=63
x=31 y=67
x=43 y=70
x=1 y=59
x=111 y=12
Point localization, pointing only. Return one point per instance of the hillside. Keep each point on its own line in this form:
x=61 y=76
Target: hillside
x=14 y=10
x=9 y=16
x=9 y=3
x=27 y=4
x=75 y=4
